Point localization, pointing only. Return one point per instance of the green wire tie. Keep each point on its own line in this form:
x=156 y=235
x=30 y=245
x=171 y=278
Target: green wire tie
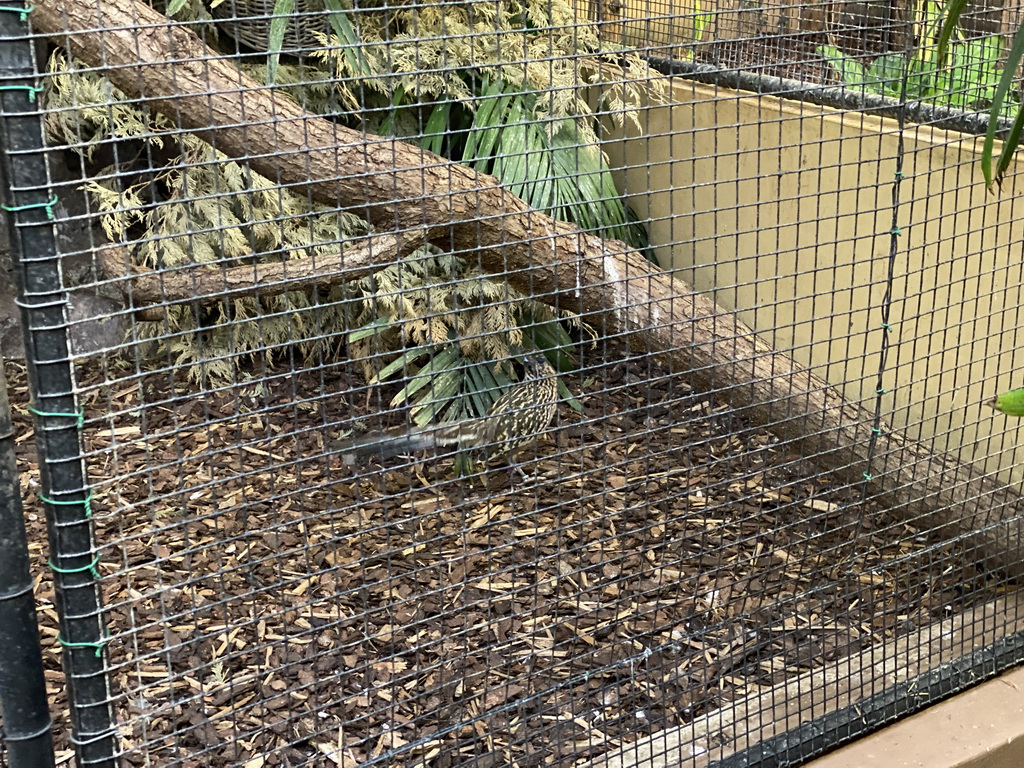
x=886 y=327
x=32 y=91
x=900 y=176
x=86 y=501
x=868 y=476
x=97 y=645
x=877 y=431
x=47 y=205
x=896 y=231
x=79 y=416
x=91 y=567
x=24 y=12
x=881 y=391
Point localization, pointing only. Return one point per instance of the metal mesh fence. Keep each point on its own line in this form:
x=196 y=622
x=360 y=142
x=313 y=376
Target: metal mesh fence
x=436 y=384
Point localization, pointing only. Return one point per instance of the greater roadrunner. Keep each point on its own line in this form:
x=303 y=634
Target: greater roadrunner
x=515 y=420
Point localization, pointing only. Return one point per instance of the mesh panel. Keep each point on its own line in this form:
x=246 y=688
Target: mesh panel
x=495 y=384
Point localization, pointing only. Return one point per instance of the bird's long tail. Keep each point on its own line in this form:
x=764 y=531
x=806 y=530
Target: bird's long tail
x=401 y=440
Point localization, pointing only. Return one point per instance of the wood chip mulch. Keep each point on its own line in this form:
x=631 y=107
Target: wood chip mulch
x=270 y=607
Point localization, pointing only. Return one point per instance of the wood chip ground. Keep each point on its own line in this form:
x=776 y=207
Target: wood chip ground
x=268 y=606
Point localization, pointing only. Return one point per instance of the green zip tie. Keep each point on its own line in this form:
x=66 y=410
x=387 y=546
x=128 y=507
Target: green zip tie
x=32 y=91
x=900 y=176
x=886 y=327
x=91 y=567
x=97 y=645
x=79 y=416
x=86 y=501
x=877 y=431
x=47 y=205
x=24 y=12
x=868 y=476
x=896 y=231
x=881 y=391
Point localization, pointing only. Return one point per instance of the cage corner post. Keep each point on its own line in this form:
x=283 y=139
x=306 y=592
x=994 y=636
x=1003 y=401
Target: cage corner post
x=64 y=488
x=27 y=722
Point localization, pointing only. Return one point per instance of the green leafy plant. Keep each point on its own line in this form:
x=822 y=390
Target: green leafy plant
x=1006 y=97
x=979 y=76
x=432 y=322
x=436 y=308
x=549 y=164
x=702 y=16
x=969 y=82
x=458 y=329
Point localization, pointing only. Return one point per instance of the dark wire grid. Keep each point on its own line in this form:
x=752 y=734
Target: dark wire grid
x=282 y=580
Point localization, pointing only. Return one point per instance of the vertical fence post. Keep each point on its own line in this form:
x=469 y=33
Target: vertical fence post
x=64 y=487
x=27 y=720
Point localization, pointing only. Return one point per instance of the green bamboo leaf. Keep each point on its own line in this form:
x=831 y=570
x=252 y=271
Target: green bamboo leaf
x=552 y=338
x=1010 y=145
x=401 y=363
x=484 y=389
x=953 y=11
x=368 y=330
x=349 y=39
x=850 y=72
x=436 y=128
x=444 y=385
x=439 y=399
x=443 y=361
x=283 y=10
x=568 y=396
x=1013 y=59
x=486 y=125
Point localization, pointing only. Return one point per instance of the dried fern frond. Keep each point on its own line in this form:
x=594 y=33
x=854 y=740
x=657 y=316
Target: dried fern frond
x=197 y=206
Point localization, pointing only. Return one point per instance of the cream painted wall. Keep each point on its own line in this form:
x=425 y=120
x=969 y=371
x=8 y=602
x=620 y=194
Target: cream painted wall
x=784 y=214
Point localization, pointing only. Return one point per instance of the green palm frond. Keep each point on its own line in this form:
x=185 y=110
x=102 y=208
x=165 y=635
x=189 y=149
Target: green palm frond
x=550 y=164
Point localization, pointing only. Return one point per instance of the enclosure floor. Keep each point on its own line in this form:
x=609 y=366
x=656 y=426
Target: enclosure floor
x=267 y=607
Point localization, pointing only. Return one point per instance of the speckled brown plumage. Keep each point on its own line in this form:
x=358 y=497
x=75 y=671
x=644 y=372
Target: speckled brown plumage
x=516 y=419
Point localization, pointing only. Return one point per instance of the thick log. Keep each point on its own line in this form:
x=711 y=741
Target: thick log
x=400 y=187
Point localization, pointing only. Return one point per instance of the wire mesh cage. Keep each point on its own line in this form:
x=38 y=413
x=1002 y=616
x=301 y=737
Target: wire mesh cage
x=520 y=383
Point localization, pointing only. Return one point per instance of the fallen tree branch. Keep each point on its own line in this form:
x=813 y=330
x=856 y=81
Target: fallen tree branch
x=401 y=187
x=208 y=284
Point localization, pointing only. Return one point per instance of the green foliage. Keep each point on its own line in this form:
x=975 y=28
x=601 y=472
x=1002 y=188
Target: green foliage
x=1012 y=139
x=969 y=82
x=526 y=123
x=703 y=16
x=508 y=96
x=278 y=26
x=985 y=82
x=549 y=165
x=433 y=304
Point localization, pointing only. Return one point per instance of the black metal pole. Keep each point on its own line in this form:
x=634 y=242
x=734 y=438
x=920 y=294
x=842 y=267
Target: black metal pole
x=64 y=487
x=27 y=720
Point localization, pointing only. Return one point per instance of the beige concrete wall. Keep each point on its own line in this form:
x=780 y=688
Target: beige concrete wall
x=784 y=213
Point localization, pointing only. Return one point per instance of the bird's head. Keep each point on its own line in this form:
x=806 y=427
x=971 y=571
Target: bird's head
x=535 y=364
